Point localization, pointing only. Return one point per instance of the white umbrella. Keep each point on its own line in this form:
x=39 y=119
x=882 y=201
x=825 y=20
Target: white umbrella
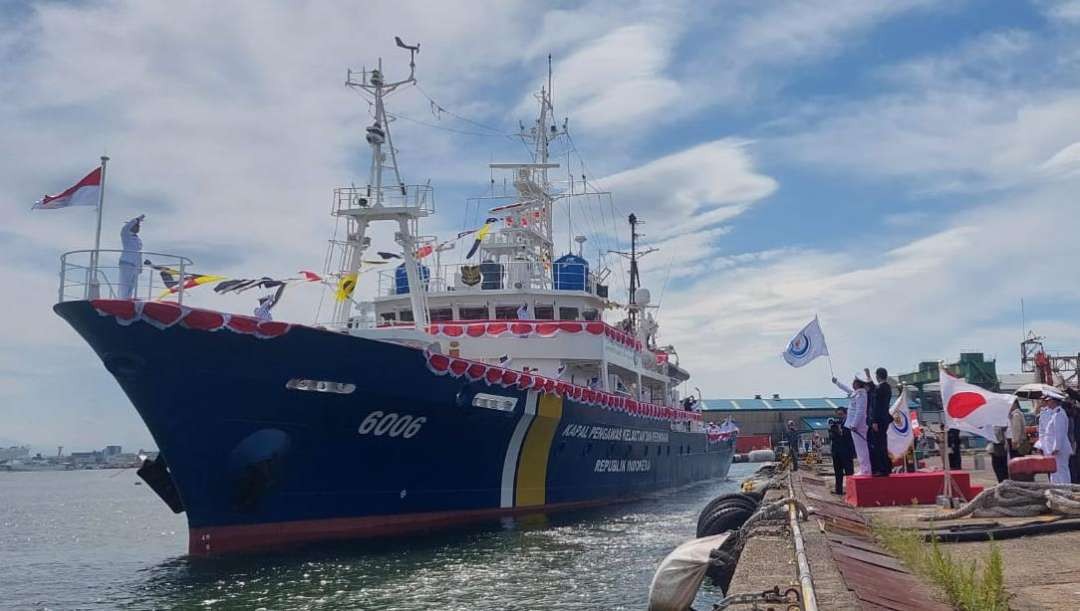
x=1035 y=391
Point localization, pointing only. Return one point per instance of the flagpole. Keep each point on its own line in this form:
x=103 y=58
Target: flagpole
x=92 y=287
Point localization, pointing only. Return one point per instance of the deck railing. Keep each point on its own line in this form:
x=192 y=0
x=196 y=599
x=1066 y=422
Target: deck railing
x=515 y=275
x=419 y=197
x=95 y=274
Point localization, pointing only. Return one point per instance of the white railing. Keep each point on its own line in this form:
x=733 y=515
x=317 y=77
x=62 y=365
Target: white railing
x=515 y=275
x=95 y=274
x=396 y=196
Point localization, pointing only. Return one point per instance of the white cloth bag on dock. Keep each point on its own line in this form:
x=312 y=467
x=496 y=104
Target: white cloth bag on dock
x=679 y=577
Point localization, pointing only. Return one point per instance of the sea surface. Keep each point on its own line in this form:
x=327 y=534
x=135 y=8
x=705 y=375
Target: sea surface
x=95 y=540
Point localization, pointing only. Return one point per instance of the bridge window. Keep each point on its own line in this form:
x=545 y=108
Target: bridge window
x=568 y=313
x=405 y=316
x=473 y=312
x=590 y=314
x=544 y=312
x=387 y=318
x=506 y=312
x=441 y=314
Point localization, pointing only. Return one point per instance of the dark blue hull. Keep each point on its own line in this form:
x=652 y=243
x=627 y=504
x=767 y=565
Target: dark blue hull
x=260 y=453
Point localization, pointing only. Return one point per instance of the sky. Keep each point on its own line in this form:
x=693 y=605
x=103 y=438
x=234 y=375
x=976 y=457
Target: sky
x=906 y=171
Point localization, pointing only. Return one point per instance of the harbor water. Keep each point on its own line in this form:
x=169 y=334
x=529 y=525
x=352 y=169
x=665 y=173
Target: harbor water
x=94 y=540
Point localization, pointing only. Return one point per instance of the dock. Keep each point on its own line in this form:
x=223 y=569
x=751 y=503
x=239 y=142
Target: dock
x=849 y=570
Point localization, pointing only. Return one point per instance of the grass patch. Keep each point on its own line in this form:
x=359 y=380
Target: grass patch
x=970 y=585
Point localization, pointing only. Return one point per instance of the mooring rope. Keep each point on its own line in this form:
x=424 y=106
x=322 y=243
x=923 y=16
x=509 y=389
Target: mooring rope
x=1019 y=499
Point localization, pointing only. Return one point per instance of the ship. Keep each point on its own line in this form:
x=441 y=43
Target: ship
x=462 y=393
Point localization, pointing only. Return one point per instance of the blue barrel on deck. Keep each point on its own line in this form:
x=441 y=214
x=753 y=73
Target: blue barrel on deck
x=401 y=278
x=570 y=273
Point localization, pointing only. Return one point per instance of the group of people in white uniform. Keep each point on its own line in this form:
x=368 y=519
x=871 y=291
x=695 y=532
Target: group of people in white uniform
x=1057 y=430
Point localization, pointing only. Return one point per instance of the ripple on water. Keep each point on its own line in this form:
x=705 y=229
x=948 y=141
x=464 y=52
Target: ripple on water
x=92 y=540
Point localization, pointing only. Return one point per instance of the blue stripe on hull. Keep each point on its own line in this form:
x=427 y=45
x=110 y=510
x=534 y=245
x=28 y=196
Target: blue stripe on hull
x=243 y=449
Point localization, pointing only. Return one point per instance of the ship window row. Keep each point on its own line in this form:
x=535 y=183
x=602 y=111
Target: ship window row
x=498 y=312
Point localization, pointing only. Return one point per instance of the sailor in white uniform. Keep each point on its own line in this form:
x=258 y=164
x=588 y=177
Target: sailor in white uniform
x=1056 y=442
x=131 y=257
x=856 y=422
x=267 y=302
x=263 y=311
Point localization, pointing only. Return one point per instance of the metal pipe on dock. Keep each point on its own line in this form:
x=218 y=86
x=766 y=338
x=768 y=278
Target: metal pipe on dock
x=806 y=582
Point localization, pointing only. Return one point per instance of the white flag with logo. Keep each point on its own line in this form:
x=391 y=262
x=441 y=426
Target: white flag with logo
x=901 y=433
x=973 y=409
x=807 y=345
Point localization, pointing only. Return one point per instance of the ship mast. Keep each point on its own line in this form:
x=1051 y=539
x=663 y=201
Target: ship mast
x=376 y=202
x=635 y=279
x=533 y=238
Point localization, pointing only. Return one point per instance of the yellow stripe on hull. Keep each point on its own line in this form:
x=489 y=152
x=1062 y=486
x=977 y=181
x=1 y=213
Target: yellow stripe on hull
x=531 y=486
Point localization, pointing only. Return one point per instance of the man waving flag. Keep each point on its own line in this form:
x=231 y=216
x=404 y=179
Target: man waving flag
x=807 y=345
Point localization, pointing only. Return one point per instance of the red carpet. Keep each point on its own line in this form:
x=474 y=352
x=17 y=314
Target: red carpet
x=920 y=488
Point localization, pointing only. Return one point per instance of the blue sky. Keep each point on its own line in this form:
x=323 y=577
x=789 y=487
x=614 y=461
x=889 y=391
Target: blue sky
x=905 y=170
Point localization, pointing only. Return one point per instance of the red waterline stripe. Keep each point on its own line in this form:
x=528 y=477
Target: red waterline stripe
x=250 y=537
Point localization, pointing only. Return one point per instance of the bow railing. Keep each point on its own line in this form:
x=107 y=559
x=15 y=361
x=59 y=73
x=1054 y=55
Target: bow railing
x=98 y=274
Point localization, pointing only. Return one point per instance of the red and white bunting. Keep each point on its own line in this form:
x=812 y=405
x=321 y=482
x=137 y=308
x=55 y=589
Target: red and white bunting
x=528 y=328
x=441 y=364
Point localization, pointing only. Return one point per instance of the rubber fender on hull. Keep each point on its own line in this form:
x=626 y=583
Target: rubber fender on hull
x=725 y=517
x=731 y=499
x=722 y=563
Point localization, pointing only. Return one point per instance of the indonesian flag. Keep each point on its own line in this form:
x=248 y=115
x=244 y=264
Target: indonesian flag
x=970 y=408
x=86 y=192
x=901 y=433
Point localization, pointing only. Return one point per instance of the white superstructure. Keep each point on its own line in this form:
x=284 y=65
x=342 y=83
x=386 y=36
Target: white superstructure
x=515 y=302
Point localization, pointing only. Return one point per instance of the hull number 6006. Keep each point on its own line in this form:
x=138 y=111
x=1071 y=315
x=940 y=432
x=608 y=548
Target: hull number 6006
x=391 y=424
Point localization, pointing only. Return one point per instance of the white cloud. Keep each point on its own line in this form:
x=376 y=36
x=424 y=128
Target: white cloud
x=929 y=299
x=1064 y=11
x=705 y=185
x=623 y=79
x=617 y=79
x=227 y=124
x=986 y=114
x=749 y=51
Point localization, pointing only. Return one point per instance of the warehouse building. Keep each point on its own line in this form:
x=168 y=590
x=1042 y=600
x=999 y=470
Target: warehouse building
x=761 y=416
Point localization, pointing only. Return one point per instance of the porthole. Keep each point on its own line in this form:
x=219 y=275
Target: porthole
x=340 y=388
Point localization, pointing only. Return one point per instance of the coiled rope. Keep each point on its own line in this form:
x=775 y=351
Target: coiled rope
x=1019 y=499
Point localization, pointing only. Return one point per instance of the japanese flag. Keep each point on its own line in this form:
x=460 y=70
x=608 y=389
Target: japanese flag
x=970 y=408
